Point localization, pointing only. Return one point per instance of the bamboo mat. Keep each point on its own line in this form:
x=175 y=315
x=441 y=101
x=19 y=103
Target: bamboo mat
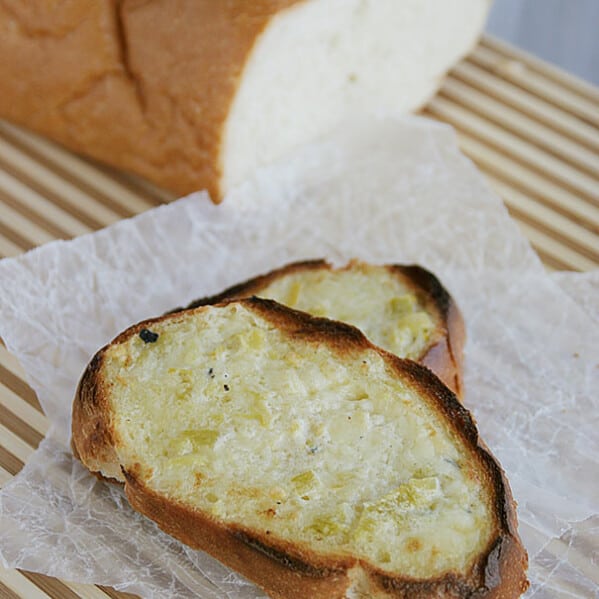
x=531 y=128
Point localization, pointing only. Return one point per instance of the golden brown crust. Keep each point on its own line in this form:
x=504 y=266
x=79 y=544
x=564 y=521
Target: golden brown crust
x=93 y=439
x=145 y=86
x=444 y=355
x=282 y=576
x=287 y=570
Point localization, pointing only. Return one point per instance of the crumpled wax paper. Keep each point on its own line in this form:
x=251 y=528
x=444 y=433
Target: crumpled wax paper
x=387 y=190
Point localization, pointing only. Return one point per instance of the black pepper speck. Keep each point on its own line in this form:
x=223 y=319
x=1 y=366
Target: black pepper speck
x=226 y=387
x=148 y=336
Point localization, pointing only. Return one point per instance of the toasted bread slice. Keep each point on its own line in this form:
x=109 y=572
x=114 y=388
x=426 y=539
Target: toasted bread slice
x=403 y=309
x=301 y=455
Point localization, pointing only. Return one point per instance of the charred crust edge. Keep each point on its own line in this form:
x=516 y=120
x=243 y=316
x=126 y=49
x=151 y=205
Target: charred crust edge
x=249 y=286
x=428 y=283
x=292 y=563
x=447 y=584
x=439 y=299
x=305 y=326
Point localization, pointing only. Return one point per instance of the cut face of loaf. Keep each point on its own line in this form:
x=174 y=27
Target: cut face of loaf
x=403 y=309
x=196 y=94
x=319 y=63
x=301 y=455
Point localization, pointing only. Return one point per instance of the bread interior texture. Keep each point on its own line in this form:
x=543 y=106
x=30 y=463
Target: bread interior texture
x=320 y=63
x=319 y=444
x=372 y=298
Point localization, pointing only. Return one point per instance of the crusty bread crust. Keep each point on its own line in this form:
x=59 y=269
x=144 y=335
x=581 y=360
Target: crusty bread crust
x=144 y=86
x=445 y=352
x=445 y=356
x=125 y=82
x=93 y=438
x=284 y=570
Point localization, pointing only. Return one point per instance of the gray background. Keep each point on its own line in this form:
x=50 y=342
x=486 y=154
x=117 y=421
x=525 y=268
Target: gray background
x=564 y=32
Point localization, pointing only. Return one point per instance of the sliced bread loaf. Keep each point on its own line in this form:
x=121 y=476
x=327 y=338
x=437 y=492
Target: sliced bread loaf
x=196 y=94
x=403 y=309
x=301 y=455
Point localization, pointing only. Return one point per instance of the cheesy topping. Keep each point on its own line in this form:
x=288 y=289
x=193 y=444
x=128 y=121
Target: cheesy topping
x=322 y=446
x=368 y=297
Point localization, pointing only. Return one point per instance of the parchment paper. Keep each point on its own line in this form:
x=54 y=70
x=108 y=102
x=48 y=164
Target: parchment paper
x=389 y=190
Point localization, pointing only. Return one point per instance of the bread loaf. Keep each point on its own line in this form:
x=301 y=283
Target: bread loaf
x=403 y=309
x=301 y=455
x=195 y=94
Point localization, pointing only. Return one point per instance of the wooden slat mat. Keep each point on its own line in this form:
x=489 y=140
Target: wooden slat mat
x=531 y=128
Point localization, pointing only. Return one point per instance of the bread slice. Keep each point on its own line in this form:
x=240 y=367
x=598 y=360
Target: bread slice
x=403 y=309
x=301 y=455
x=197 y=94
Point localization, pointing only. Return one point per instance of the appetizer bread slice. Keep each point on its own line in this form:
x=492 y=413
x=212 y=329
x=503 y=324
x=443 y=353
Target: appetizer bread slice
x=301 y=455
x=403 y=309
